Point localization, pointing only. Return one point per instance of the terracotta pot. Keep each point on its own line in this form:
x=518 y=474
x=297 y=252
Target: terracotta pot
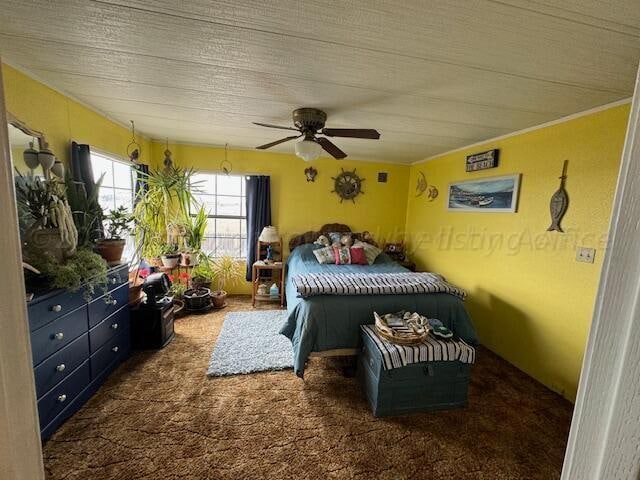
x=110 y=249
x=219 y=298
x=135 y=294
x=170 y=261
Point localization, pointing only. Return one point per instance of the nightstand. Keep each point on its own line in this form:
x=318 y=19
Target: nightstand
x=276 y=275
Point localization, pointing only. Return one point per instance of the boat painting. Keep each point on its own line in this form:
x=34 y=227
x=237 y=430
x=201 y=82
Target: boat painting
x=493 y=194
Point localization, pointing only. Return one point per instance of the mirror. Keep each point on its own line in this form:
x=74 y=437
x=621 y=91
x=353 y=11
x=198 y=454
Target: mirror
x=19 y=142
x=25 y=144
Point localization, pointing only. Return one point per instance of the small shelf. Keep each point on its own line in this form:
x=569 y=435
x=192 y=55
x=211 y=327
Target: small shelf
x=266 y=298
x=276 y=275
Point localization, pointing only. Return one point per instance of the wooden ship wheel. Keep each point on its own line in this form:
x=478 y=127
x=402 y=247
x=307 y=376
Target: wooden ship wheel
x=348 y=185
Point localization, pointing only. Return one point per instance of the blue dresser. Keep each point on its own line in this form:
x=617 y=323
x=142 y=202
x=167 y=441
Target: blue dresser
x=75 y=345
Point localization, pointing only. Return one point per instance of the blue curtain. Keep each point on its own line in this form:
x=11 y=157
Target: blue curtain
x=258 y=188
x=81 y=166
x=82 y=172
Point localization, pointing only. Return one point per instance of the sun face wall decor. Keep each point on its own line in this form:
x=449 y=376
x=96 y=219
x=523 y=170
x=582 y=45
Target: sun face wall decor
x=348 y=185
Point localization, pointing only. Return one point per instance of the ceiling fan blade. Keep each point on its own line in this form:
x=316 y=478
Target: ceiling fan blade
x=275 y=126
x=330 y=148
x=351 y=133
x=277 y=142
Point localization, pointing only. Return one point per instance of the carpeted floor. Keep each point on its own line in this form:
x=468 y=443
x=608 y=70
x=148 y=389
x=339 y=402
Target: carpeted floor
x=160 y=417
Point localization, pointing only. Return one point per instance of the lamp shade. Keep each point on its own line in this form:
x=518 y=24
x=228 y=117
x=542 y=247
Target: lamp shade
x=308 y=150
x=269 y=235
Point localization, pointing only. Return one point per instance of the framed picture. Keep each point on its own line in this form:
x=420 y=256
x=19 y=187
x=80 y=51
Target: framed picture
x=482 y=160
x=493 y=194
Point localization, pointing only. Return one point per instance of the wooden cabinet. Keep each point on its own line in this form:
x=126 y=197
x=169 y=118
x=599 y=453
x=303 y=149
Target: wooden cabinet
x=75 y=345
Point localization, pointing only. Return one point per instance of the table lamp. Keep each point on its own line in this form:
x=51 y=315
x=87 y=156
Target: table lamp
x=269 y=235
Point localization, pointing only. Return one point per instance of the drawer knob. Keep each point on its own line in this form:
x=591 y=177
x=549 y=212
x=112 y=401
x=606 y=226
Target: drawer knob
x=61 y=367
x=62 y=398
x=56 y=308
x=59 y=336
x=114 y=326
x=115 y=349
x=113 y=301
x=114 y=280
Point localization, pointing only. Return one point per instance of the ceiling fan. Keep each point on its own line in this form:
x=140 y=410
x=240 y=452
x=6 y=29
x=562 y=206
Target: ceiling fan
x=309 y=122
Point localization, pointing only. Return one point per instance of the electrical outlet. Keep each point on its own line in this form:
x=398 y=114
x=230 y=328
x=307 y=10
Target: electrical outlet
x=586 y=255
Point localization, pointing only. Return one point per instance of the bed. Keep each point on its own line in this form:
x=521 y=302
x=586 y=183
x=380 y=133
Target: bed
x=330 y=324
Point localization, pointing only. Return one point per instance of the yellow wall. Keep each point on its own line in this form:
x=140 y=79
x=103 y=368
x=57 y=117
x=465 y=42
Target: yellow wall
x=62 y=119
x=530 y=300
x=297 y=205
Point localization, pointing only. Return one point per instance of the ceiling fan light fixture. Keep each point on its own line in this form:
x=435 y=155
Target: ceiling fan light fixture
x=308 y=150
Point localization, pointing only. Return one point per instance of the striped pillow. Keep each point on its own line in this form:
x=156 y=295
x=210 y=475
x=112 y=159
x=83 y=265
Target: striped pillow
x=370 y=251
x=325 y=255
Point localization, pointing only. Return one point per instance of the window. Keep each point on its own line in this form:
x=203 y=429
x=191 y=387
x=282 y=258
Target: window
x=117 y=188
x=118 y=183
x=223 y=197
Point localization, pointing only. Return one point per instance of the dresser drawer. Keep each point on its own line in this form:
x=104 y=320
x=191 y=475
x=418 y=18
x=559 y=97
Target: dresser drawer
x=118 y=276
x=114 y=350
x=61 y=364
x=62 y=394
x=48 y=309
x=53 y=336
x=109 y=328
x=99 y=309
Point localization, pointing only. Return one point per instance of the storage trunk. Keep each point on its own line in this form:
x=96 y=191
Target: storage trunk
x=419 y=387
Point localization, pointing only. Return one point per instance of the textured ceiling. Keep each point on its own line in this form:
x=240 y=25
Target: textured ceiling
x=429 y=75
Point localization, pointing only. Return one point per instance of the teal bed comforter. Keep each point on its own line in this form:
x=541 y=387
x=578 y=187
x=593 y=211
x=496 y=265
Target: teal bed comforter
x=328 y=322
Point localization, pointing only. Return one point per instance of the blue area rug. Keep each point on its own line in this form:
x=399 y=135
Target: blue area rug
x=250 y=342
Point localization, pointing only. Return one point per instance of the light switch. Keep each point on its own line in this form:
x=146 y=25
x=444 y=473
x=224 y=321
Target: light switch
x=586 y=255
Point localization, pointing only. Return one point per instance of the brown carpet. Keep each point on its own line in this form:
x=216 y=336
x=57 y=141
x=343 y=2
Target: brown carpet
x=160 y=417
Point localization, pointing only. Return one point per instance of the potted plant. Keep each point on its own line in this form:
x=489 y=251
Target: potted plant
x=162 y=206
x=194 y=228
x=170 y=256
x=197 y=299
x=225 y=270
x=118 y=224
x=86 y=210
x=46 y=220
x=202 y=274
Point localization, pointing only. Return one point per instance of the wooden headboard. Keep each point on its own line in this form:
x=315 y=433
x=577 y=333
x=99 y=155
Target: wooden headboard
x=312 y=236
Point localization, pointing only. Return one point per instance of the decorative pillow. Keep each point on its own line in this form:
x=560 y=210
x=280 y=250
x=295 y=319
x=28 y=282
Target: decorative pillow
x=346 y=240
x=370 y=251
x=325 y=255
x=365 y=237
x=322 y=240
x=334 y=237
x=358 y=256
x=342 y=255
